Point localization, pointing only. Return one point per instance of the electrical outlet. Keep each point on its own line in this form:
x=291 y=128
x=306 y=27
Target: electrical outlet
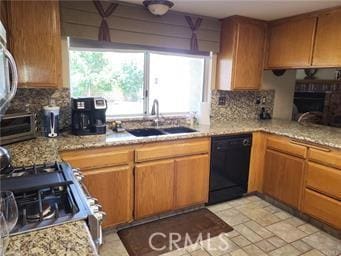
x=263 y=100
x=222 y=100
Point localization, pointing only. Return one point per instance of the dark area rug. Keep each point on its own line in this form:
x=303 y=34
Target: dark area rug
x=193 y=225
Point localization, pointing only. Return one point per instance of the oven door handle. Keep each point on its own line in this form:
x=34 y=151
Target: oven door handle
x=14 y=83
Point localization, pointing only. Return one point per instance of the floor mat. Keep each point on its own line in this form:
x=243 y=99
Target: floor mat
x=171 y=233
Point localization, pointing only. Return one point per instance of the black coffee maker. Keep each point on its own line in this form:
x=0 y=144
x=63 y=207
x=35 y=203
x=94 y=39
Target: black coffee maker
x=88 y=115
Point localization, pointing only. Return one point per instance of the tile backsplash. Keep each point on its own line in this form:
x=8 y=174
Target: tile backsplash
x=240 y=104
x=33 y=100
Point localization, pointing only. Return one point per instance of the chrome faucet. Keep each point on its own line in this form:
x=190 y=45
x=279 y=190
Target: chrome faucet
x=157 y=112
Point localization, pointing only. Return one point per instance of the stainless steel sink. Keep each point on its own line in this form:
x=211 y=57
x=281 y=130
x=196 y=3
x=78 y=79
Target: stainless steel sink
x=145 y=132
x=180 y=129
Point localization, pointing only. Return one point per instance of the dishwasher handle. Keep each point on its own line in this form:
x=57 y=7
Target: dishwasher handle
x=227 y=145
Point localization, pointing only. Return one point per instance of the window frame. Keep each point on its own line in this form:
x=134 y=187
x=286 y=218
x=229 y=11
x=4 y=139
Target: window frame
x=146 y=74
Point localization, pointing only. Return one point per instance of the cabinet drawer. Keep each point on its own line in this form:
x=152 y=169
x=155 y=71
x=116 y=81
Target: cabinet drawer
x=97 y=158
x=286 y=146
x=324 y=179
x=332 y=158
x=322 y=207
x=172 y=149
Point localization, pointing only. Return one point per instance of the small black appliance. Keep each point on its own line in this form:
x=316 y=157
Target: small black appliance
x=88 y=116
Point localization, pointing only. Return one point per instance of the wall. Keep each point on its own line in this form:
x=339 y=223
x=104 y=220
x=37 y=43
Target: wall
x=284 y=87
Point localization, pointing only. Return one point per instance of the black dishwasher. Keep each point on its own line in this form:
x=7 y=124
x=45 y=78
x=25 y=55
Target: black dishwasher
x=230 y=160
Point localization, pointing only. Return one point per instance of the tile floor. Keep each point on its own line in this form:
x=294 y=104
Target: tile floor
x=259 y=229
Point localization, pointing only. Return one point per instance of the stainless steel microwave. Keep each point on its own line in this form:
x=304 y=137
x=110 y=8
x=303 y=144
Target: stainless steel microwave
x=17 y=127
x=8 y=73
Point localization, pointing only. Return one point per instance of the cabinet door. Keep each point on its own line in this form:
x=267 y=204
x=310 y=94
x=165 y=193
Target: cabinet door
x=113 y=187
x=34 y=39
x=191 y=180
x=154 y=188
x=327 y=50
x=291 y=43
x=249 y=56
x=283 y=177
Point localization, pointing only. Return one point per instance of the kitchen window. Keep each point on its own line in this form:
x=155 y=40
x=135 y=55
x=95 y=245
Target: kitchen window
x=131 y=80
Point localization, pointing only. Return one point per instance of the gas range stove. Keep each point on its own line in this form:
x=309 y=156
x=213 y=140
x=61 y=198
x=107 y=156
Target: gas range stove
x=51 y=194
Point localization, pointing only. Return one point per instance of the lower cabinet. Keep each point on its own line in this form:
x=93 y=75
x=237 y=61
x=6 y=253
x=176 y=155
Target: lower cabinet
x=113 y=187
x=191 y=180
x=283 y=177
x=154 y=188
x=166 y=185
x=322 y=207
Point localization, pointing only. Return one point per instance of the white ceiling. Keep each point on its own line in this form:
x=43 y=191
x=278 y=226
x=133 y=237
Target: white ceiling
x=259 y=9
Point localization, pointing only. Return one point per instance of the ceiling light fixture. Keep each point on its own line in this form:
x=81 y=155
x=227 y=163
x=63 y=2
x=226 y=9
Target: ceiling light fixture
x=158 y=7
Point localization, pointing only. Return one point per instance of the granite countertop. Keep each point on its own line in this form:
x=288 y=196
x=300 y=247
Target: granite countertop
x=72 y=239
x=44 y=149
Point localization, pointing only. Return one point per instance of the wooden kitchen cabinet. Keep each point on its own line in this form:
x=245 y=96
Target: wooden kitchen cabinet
x=154 y=188
x=322 y=207
x=191 y=180
x=256 y=170
x=171 y=175
x=108 y=176
x=35 y=41
x=113 y=187
x=3 y=13
x=327 y=50
x=283 y=177
x=290 y=43
x=162 y=180
x=241 y=57
x=324 y=179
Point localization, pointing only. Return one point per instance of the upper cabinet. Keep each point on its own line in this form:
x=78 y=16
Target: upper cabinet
x=241 y=56
x=34 y=40
x=305 y=41
x=327 y=51
x=291 y=43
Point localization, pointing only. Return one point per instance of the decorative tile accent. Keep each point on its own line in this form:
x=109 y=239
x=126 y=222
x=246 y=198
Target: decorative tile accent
x=240 y=105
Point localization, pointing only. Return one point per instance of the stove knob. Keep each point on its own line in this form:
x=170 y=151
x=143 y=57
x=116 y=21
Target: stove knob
x=79 y=176
x=92 y=201
x=96 y=208
x=100 y=215
x=76 y=170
